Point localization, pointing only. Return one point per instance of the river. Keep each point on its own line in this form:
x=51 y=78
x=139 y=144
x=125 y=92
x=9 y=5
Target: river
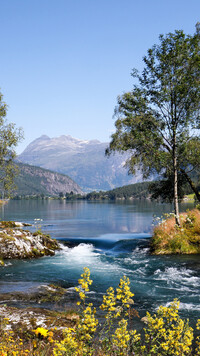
x=112 y=239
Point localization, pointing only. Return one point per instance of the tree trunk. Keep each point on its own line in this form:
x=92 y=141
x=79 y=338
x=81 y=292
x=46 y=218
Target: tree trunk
x=176 y=207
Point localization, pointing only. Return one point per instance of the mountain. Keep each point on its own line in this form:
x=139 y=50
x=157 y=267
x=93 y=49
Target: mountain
x=84 y=161
x=33 y=180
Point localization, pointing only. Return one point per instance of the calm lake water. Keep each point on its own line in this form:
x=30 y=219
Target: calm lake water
x=111 y=239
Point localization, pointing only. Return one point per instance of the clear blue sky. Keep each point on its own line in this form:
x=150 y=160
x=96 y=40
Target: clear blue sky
x=63 y=62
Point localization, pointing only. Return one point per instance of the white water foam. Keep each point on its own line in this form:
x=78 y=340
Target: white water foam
x=77 y=257
x=189 y=306
x=138 y=251
x=137 y=257
x=81 y=252
x=6 y=264
x=186 y=306
x=133 y=261
x=175 y=275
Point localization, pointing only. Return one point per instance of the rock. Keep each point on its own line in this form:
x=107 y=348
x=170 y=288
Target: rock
x=13 y=224
x=31 y=318
x=18 y=243
x=41 y=294
x=18 y=224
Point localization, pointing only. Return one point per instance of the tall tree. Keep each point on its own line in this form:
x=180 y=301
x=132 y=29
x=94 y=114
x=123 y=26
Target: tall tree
x=158 y=122
x=9 y=138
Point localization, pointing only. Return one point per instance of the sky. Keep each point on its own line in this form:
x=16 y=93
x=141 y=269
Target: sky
x=64 y=62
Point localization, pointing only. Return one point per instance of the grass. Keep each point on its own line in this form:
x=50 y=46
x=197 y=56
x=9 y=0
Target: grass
x=168 y=238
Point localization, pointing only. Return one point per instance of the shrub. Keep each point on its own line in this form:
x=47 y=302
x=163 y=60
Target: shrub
x=170 y=239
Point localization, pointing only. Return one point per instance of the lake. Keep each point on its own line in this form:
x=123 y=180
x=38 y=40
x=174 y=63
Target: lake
x=112 y=239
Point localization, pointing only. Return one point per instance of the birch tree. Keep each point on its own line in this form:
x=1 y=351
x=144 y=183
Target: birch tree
x=158 y=122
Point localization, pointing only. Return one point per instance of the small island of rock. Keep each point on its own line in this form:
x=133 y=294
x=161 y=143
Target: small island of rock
x=18 y=243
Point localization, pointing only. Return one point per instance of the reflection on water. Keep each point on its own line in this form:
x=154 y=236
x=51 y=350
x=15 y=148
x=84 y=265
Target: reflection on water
x=82 y=218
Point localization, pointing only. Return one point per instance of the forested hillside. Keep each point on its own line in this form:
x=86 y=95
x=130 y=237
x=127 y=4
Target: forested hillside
x=33 y=180
x=138 y=190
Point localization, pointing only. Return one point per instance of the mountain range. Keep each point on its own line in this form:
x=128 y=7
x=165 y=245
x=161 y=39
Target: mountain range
x=84 y=161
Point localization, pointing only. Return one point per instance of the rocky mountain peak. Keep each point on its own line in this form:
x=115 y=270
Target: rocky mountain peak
x=83 y=160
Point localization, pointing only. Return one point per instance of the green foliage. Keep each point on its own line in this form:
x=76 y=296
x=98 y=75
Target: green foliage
x=9 y=138
x=137 y=190
x=164 y=189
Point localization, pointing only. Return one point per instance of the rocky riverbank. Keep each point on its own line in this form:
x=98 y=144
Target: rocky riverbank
x=29 y=318
x=15 y=242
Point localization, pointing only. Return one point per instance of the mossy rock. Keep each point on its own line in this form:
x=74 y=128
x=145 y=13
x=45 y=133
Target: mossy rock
x=6 y=224
x=18 y=243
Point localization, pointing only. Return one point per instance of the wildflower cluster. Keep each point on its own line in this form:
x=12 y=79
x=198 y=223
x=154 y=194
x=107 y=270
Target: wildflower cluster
x=44 y=333
x=38 y=225
x=165 y=334
x=197 y=350
x=121 y=337
x=77 y=341
x=160 y=220
x=68 y=344
x=84 y=282
x=109 y=302
x=119 y=303
x=124 y=294
x=9 y=345
x=88 y=324
x=41 y=332
x=190 y=219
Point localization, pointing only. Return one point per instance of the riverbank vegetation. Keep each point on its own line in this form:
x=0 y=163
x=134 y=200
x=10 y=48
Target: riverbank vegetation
x=169 y=238
x=111 y=334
